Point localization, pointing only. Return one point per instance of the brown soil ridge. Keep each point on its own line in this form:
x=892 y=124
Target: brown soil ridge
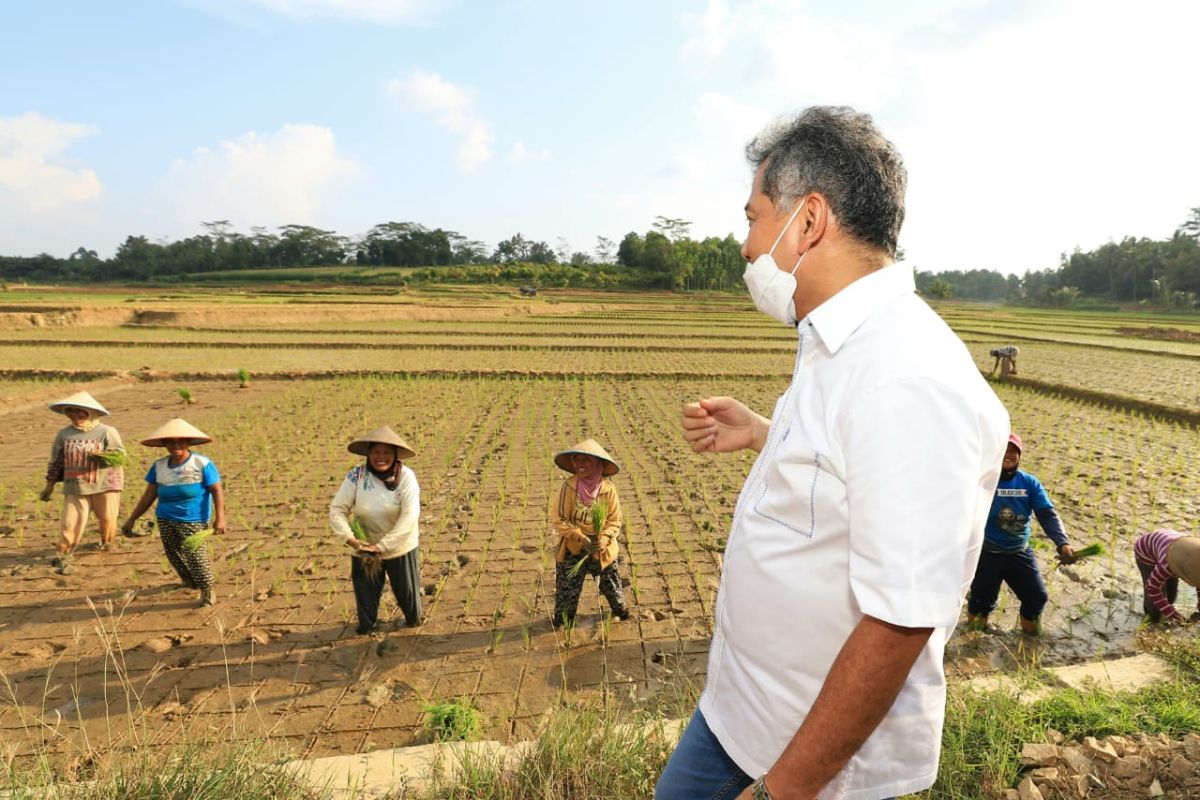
x=329 y=374
x=988 y=335
x=1165 y=334
x=448 y=332
x=390 y=346
x=1116 y=402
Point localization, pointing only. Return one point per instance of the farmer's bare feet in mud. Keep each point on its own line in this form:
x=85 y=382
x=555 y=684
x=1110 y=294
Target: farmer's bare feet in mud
x=1030 y=627
x=977 y=623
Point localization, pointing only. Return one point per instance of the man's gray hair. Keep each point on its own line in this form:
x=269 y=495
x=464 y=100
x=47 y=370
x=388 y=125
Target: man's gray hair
x=839 y=153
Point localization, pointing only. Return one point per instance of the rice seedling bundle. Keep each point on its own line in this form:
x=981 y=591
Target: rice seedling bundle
x=195 y=541
x=372 y=562
x=112 y=458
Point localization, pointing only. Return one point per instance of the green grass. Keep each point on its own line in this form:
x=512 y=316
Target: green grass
x=984 y=731
x=232 y=772
x=453 y=720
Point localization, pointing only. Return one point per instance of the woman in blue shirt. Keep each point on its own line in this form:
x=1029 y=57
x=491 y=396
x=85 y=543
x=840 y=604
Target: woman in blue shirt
x=186 y=486
x=1006 y=556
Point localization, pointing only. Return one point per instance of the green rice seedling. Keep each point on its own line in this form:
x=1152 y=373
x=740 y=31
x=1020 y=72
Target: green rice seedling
x=186 y=397
x=599 y=517
x=243 y=378
x=1094 y=549
x=112 y=458
x=195 y=541
x=372 y=563
x=452 y=720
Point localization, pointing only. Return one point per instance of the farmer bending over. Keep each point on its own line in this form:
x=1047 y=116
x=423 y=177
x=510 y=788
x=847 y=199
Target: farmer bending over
x=1006 y=555
x=586 y=514
x=1006 y=359
x=1164 y=557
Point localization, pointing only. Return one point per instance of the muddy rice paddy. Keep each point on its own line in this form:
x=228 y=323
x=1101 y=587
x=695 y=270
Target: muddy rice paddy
x=118 y=655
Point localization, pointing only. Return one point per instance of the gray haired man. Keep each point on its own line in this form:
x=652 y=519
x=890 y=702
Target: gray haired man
x=857 y=531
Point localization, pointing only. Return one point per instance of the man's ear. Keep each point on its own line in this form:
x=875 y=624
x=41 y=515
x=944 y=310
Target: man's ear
x=813 y=221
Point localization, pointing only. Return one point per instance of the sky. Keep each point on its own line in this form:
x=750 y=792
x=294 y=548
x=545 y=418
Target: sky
x=1028 y=127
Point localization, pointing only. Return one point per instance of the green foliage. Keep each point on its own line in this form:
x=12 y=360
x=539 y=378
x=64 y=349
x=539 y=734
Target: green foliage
x=112 y=458
x=186 y=396
x=582 y=751
x=452 y=720
x=243 y=377
x=984 y=731
x=599 y=516
x=196 y=540
x=357 y=529
x=1093 y=549
x=194 y=772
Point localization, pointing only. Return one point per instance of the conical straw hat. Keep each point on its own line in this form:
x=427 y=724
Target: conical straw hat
x=381 y=435
x=1183 y=559
x=589 y=447
x=79 y=400
x=177 y=429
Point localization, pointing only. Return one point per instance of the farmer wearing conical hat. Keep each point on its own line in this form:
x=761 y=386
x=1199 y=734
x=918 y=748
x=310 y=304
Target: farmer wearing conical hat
x=376 y=513
x=90 y=484
x=585 y=512
x=188 y=490
x=1165 y=557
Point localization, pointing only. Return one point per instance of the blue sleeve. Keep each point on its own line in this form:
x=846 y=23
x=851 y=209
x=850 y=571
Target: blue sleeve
x=1052 y=525
x=150 y=476
x=1038 y=497
x=211 y=477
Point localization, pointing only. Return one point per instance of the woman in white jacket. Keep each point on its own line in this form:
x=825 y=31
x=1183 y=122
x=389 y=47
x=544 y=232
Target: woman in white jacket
x=383 y=497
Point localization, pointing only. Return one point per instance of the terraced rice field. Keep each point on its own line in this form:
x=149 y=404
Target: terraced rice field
x=117 y=655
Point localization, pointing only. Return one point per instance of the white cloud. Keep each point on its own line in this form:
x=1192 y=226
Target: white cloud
x=1027 y=129
x=453 y=109
x=33 y=175
x=521 y=154
x=386 y=12
x=261 y=179
x=777 y=48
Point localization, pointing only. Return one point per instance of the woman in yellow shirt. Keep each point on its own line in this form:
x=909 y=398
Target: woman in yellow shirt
x=585 y=512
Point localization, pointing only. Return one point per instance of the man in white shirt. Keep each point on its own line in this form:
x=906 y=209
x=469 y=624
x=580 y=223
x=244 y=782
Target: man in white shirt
x=858 y=529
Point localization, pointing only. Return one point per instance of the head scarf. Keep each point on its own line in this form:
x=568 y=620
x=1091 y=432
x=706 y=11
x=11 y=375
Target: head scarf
x=391 y=475
x=589 y=488
x=93 y=419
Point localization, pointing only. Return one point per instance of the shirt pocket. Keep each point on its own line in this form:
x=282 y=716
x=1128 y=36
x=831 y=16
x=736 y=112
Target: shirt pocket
x=795 y=488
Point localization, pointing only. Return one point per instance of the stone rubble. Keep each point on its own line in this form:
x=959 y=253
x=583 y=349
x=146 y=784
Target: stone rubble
x=1110 y=768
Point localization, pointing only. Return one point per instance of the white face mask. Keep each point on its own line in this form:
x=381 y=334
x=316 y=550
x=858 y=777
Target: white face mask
x=772 y=289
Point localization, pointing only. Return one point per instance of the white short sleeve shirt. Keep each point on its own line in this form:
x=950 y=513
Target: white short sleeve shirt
x=868 y=498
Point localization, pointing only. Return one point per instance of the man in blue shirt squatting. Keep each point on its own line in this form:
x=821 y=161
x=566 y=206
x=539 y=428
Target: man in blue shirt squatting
x=1006 y=555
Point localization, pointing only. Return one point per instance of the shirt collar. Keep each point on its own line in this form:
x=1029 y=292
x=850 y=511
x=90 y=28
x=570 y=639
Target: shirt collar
x=839 y=316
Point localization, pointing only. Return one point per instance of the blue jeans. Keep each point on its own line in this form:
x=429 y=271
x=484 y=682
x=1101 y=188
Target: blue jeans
x=1020 y=571
x=700 y=769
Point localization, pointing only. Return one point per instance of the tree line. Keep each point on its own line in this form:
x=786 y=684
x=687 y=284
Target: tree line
x=1163 y=272
x=1139 y=270
x=665 y=257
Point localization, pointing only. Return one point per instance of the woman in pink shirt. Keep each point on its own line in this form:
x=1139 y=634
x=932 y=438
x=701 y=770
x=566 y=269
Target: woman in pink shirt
x=1164 y=557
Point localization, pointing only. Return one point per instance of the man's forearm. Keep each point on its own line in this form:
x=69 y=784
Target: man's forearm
x=861 y=687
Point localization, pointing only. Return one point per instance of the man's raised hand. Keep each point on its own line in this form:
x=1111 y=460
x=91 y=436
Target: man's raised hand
x=722 y=425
